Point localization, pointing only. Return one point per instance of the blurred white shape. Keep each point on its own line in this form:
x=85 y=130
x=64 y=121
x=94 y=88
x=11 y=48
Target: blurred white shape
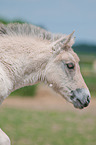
x=50 y=85
x=4 y=139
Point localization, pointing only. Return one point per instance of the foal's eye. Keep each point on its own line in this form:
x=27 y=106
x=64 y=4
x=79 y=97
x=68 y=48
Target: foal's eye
x=70 y=65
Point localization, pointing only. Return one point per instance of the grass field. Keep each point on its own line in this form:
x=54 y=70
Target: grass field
x=26 y=127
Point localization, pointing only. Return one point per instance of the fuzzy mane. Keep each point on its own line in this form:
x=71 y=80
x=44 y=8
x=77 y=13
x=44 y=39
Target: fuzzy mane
x=14 y=29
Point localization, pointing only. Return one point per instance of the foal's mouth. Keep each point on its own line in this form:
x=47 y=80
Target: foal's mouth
x=79 y=104
x=80 y=98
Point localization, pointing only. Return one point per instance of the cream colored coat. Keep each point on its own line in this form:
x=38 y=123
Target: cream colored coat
x=29 y=54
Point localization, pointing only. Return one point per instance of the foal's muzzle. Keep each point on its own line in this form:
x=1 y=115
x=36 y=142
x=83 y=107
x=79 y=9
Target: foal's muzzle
x=80 y=98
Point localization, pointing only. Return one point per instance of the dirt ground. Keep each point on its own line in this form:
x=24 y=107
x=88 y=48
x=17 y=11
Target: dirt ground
x=46 y=99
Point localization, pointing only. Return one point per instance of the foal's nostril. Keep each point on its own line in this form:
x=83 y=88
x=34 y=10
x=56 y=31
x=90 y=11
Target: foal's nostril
x=88 y=99
x=72 y=97
x=86 y=104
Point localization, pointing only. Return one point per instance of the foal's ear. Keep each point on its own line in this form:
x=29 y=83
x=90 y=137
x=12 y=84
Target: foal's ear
x=63 y=43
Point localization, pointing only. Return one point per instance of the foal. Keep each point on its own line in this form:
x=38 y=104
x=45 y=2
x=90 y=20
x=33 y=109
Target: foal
x=29 y=54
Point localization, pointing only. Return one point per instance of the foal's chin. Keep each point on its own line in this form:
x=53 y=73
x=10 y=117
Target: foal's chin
x=78 y=104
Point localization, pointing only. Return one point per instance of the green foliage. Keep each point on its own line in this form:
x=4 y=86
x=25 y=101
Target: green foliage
x=48 y=128
x=7 y=21
x=91 y=83
x=4 y=21
x=86 y=65
x=25 y=91
x=85 y=48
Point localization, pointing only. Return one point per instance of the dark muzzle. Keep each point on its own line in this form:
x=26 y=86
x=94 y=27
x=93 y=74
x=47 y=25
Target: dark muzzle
x=80 y=98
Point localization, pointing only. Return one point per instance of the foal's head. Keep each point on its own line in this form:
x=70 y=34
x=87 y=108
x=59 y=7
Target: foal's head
x=63 y=73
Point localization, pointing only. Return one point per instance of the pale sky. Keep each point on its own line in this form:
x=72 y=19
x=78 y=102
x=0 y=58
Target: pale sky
x=58 y=16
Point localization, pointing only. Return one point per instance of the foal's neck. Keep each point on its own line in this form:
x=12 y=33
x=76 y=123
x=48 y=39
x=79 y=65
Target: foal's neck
x=26 y=59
